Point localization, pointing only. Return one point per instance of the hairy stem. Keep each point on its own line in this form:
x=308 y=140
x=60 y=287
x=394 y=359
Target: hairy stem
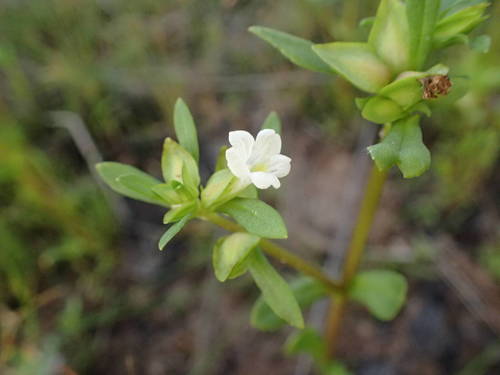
x=373 y=192
x=281 y=254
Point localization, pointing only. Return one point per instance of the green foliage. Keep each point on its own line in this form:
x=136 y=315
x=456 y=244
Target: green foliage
x=172 y=231
x=306 y=291
x=272 y=122
x=275 y=290
x=185 y=129
x=310 y=342
x=390 y=37
x=136 y=185
x=230 y=254
x=179 y=165
x=177 y=212
x=382 y=292
x=221 y=186
x=297 y=50
x=356 y=62
x=422 y=18
x=256 y=217
x=402 y=146
x=459 y=23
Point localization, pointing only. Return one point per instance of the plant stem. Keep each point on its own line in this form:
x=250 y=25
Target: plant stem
x=280 y=253
x=373 y=192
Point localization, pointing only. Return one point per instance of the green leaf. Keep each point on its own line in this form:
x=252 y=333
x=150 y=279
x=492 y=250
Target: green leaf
x=308 y=341
x=179 y=211
x=422 y=18
x=140 y=189
x=306 y=291
x=172 y=192
x=381 y=110
x=275 y=290
x=390 y=35
x=249 y=192
x=179 y=165
x=367 y=22
x=231 y=252
x=256 y=217
x=272 y=122
x=383 y=292
x=172 y=231
x=142 y=186
x=297 y=50
x=461 y=22
x=335 y=368
x=356 y=62
x=403 y=147
x=221 y=162
x=221 y=187
x=185 y=129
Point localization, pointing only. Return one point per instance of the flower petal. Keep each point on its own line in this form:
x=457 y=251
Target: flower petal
x=263 y=180
x=243 y=141
x=279 y=165
x=267 y=144
x=236 y=162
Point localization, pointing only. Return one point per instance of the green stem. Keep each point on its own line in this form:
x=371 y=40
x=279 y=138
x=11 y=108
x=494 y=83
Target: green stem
x=280 y=253
x=373 y=192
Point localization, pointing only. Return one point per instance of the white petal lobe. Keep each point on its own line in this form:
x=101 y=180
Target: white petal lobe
x=264 y=180
x=280 y=165
x=237 y=163
x=243 y=141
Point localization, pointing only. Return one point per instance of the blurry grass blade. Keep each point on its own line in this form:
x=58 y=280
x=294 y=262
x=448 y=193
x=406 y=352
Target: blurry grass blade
x=356 y=62
x=306 y=291
x=111 y=171
x=390 y=35
x=272 y=122
x=185 y=129
x=275 y=290
x=256 y=217
x=403 y=147
x=383 y=292
x=297 y=50
x=172 y=231
x=422 y=18
x=481 y=44
x=231 y=252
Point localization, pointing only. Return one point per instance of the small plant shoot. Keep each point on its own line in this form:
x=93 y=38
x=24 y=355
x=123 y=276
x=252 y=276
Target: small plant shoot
x=400 y=80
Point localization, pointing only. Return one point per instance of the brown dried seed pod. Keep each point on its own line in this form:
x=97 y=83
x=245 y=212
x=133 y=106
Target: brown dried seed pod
x=435 y=86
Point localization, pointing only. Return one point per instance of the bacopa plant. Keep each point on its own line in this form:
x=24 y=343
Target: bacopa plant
x=391 y=69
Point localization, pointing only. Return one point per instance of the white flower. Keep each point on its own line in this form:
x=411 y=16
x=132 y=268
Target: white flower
x=257 y=161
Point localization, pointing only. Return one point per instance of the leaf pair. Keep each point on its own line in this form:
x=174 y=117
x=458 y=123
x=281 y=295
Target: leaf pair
x=403 y=147
x=235 y=254
x=382 y=292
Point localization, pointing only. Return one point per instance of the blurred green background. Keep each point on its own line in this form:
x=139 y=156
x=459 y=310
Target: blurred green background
x=83 y=289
